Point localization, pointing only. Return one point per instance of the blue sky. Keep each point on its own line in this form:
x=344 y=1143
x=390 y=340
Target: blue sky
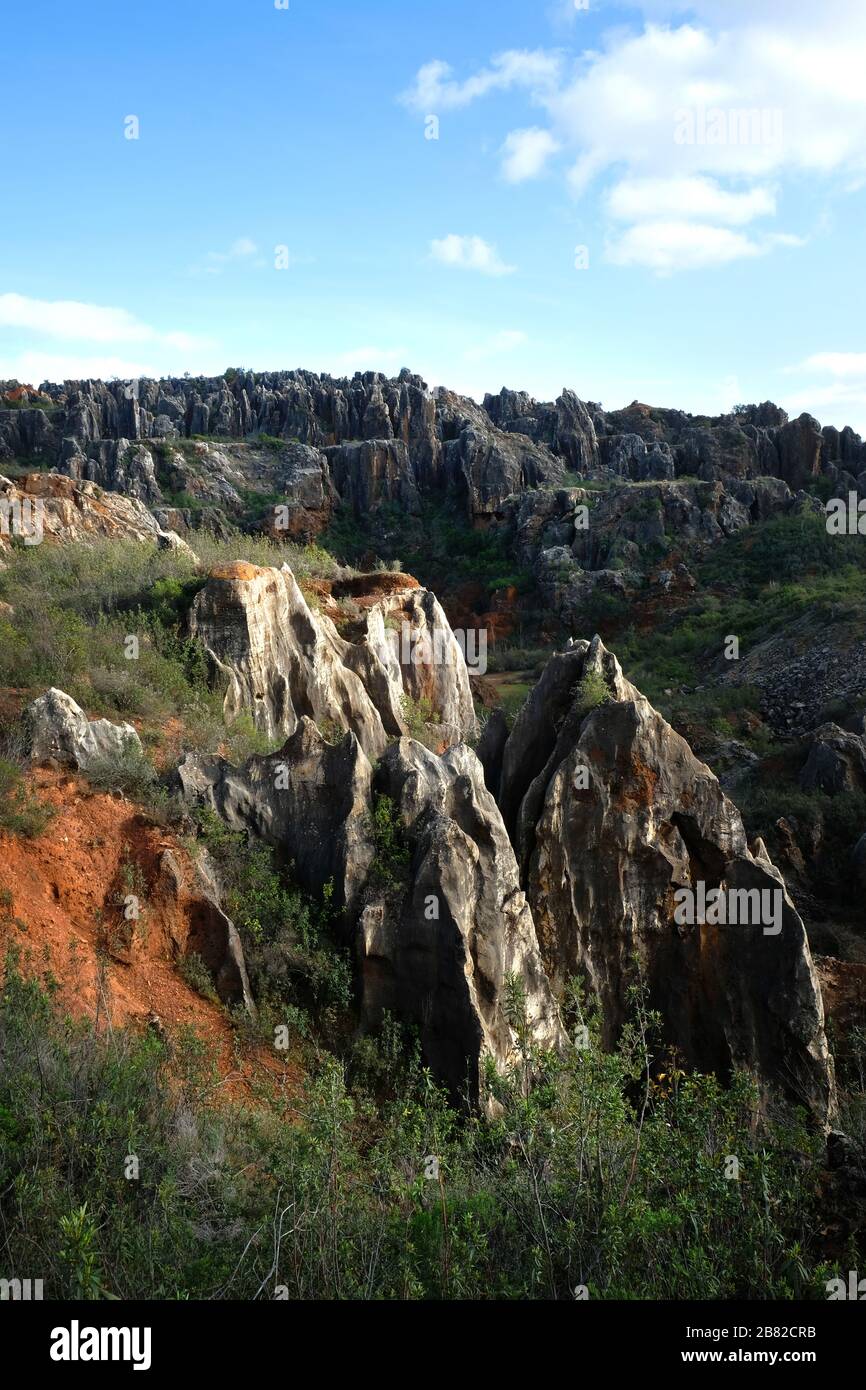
x=724 y=252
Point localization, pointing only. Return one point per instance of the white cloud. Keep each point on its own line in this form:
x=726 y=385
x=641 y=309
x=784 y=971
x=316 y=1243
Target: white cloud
x=435 y=89
x=242 y=250
x=79 y=326
x=526 y=152
x=626 y=103
x=839 y=364
x=636 y=199
x=469 y=253
x=35 y=367
x=700 y=115
x=95 y=323
x=668 y=246
x=507 y=340
x=840 y=390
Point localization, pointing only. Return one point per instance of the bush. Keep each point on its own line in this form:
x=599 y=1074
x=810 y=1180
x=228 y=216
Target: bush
x=195 y=973
x=128 y=771
x=594 y=1170
x=291 y=957
x=592 y=691
x=419 y=717
x=391 y=860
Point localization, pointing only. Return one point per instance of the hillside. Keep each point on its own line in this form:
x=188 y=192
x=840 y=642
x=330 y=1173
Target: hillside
x=480 y=777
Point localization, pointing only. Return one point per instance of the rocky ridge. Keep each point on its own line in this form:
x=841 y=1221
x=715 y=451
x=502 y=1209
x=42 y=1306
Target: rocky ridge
x=370 y=439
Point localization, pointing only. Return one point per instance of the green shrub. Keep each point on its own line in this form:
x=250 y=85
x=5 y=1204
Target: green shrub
x=419 y=717
x=21 y=812
x=391 y=859
x=129 y=771
x=593 y=1169
x=195 y=973
x=592 y=691
x=290 y=952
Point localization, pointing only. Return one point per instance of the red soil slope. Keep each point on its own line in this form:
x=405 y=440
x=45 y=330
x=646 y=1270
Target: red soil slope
x=62 y=906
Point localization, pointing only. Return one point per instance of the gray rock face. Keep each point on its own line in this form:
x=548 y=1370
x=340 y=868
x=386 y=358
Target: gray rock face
x=836 y=762
x=800 y=445
x=611 y=815
x=311 y=800
x=438 y=954
x=118 y=465
x=59 y=731
x=629 y=456
x=28 y=434
x=484 y=465
x=368 y=472
x=442 y=958
x=303 y=478
x=410 y=635
x=566 y=427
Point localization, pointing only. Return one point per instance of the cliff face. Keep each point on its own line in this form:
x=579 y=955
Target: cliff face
x=373 y=439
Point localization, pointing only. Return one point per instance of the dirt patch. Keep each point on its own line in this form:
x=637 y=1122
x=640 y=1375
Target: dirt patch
x=843 y=989
x=236 y=569
x=63 y=907
x=374 y=586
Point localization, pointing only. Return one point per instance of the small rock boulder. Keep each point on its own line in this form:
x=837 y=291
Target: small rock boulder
x=836 y=762
x=59 y=731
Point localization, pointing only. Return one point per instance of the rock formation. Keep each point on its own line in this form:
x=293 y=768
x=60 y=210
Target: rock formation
x=442 y=956
x=284 y=660
x=611 y=821
x=436 y=949
x=44 y=507
x=311 y=800
x=836 y=761
x=209 y=934
x=611 y=815
x=59 y=731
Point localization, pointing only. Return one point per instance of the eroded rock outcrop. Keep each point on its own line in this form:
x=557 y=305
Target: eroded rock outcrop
x=45 y=507
x=441 y=956
x=435 y=944
x=311 y=800
x=202 y=928
x=836 y=762
x=612 y=815
x=284 y=660
x=482 y=464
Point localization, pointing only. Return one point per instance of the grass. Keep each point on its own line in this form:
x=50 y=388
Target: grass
x=21 y=812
